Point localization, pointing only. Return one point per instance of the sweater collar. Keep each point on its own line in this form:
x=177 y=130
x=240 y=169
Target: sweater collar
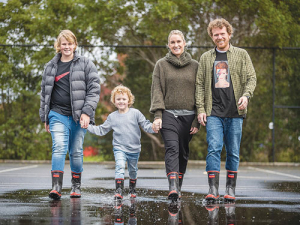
x=184 y=59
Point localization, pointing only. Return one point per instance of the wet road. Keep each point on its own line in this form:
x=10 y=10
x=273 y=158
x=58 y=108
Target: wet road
x=265 y=195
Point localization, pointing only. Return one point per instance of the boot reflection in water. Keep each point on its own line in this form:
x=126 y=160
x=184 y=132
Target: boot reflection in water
x=75 y=216
x=118 y=213
x=230 y=214
x=174 y=213
x=213 y=214
x=132 y=213
x=56 y=212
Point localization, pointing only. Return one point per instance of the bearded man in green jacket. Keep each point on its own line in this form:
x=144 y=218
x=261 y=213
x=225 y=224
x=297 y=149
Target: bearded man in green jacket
x=225 y=82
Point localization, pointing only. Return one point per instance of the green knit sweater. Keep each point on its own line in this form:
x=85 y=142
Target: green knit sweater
x=173 y=85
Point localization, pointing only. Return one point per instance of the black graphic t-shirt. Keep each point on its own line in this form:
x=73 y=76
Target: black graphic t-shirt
x=60 y=98
x=223 y=104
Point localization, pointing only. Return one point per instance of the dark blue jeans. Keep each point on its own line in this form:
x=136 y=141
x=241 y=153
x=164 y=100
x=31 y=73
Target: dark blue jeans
x=223 y=131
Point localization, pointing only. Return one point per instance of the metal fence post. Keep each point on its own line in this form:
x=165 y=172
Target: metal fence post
x=273 y=114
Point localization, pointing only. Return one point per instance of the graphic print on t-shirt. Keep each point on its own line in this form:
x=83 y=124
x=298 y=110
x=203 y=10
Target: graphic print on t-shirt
x=221 y=74
x=57 y=78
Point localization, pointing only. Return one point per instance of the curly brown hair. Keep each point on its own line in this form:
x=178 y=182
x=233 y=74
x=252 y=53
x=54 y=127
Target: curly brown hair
x=219 y=23
x=120 y=89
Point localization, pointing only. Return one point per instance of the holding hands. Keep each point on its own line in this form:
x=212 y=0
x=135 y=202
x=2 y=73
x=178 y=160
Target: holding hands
x=157 y=125
x=84 y=121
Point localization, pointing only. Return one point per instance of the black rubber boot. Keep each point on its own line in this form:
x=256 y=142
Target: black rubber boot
x=132 y=185
x=213 y=182
x=76 y=183
x=230 y=186
x=173 y=186
x=119 y=189
x=180 y=178
x=57 y=181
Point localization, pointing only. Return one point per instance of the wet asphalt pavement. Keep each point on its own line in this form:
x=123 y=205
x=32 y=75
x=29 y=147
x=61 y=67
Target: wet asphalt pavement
x=265 y=195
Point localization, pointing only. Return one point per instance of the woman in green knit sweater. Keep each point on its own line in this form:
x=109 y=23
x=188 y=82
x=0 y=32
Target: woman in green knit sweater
x=173 y=106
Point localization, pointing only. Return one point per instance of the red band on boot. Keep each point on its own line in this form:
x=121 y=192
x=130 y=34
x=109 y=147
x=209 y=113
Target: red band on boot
x=171 y=172
x=228 y=197
x=54 y=191
x=212 y=196
x=75 y=194
x=118 y=196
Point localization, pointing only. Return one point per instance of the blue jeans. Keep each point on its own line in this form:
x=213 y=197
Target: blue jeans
x=132 y=163
x=67 y=137
x=222 y=131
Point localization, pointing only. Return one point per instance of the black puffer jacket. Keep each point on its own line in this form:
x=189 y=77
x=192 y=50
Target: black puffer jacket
x=84 y=85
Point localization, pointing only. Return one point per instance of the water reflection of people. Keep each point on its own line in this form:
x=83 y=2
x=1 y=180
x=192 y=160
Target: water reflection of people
x=57 y=216
x=230 y=214
x=132 y=213
x=213 y=214
x=175 y=215
x=56 y=213
x=118 y=213
x=75 y=215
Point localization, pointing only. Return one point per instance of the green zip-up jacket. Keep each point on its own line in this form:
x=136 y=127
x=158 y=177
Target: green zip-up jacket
x=242 y=74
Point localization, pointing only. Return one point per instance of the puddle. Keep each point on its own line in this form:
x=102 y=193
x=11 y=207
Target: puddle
x=151 y=207
x=293 y=187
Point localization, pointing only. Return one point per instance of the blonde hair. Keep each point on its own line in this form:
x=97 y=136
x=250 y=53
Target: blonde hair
x=178 y=32
x=69 y=36
x=219 y=23
x=120 y=89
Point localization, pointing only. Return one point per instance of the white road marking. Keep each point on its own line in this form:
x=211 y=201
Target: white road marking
x=273 y=172
x=19 y=168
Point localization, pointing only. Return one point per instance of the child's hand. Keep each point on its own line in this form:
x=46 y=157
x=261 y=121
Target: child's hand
x=84 y=121
x=157 y=125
